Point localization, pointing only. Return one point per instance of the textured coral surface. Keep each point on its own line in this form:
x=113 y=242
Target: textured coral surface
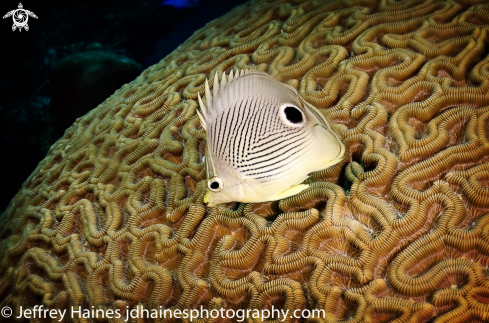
x=398 y=231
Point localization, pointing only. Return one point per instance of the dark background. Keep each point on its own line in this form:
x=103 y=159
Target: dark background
x=75 y=55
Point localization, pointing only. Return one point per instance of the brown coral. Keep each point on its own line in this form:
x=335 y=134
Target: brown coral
x=113 y=217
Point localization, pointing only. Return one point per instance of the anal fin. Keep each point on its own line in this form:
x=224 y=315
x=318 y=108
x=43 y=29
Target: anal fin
x=293 y=190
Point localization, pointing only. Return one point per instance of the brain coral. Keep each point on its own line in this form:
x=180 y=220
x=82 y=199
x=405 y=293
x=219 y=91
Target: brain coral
x=398 y=231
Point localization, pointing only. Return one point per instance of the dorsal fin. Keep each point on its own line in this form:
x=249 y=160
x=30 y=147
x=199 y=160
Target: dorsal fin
x=207 y=111
x=208 y=96
x=223 y=81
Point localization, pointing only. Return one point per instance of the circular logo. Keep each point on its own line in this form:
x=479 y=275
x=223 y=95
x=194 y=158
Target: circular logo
x=6 y=312
x=20 y=17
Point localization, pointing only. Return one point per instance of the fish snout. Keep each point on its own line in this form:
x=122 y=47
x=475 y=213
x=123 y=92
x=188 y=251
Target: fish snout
x=208 y=198
x=213 y=198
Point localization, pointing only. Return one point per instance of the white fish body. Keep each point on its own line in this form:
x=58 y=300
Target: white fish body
x=263 y=140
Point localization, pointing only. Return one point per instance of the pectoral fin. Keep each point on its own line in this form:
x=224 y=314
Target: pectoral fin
x=295 y=189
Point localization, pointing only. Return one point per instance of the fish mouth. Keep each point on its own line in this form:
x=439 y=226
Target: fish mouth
x=208 y=198
x=213 y=198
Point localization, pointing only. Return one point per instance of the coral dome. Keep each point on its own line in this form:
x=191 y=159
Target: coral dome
x=114 y=217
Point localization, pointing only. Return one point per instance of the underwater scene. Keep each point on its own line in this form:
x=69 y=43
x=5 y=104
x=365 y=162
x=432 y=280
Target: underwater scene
x=245 y=161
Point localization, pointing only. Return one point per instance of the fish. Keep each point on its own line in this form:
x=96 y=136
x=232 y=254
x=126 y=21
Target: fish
x=262 y=139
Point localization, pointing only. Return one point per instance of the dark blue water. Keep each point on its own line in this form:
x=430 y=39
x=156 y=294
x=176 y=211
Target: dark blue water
x=38 y=102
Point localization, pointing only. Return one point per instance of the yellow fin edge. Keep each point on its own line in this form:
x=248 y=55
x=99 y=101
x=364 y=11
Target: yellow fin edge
x=293 y=190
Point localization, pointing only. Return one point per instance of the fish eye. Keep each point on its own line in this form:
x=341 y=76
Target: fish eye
x=292 y=116
x=215 y=184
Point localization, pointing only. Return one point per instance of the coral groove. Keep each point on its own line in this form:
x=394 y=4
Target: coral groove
x=397 y=231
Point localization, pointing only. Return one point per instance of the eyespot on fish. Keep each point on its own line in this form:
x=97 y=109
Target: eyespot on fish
x=263 y=139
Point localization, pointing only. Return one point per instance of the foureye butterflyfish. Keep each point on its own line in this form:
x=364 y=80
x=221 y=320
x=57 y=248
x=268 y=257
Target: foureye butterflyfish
x=263 y=139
